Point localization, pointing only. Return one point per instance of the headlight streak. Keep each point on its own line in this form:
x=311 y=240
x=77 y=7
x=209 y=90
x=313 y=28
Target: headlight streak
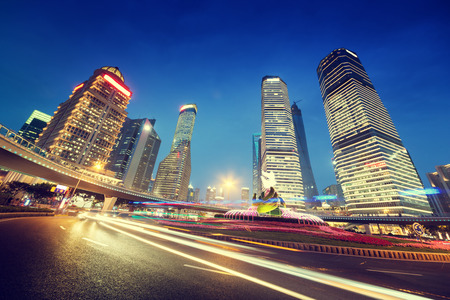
x=213 y=265
x=337 y=282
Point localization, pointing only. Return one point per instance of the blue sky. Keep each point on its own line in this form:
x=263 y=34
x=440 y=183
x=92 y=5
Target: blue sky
x=215 y=53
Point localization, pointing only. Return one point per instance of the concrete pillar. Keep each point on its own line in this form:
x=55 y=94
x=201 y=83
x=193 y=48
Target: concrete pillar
x=368 y=229
x=109 y=203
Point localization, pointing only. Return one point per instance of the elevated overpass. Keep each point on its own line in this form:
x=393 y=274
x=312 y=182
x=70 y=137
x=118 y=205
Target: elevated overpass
x=21 y=155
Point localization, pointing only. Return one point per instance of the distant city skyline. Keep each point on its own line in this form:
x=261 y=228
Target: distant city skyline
x=215 y=53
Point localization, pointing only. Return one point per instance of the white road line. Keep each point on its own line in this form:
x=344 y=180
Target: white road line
x=62 y=227
x=98 y=243
x=209 y=270
x=393 y=272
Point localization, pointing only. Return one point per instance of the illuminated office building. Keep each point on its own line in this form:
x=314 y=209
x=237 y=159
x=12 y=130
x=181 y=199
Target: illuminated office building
x=34 y=125
x=85 y=127
x=309 y=183
x=279 y=154
x=372 y=166
x=174 y=172
x=256 y=145
x=134 y=155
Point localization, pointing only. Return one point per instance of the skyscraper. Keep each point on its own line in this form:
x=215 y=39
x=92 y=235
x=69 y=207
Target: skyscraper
x=372 y=166
x=85 y=127
x=174 y=172
x=135 y=152
x=34 y=125
x=309 y=183
x=441 y=180
x=256 y=145
x=279 y=154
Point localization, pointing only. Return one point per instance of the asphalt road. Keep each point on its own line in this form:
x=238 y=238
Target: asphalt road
x=65 y=258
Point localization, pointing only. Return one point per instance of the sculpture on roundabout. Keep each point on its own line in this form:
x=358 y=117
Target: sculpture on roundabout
x=270 y=204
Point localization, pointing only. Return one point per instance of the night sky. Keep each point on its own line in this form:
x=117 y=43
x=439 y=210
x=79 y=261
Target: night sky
x=215 y=53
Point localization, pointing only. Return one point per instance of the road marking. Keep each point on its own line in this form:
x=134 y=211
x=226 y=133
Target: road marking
x=98 y=243
x=393 y=272
x=209 y=270
x=62 y=227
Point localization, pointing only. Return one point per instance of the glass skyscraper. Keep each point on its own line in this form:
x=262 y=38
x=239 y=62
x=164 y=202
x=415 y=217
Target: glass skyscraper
x=134 y=155
x=309 y=183
x=372 y=166
x=174 y=172
x=256 y=147
x=85 y=127
x=279 y=154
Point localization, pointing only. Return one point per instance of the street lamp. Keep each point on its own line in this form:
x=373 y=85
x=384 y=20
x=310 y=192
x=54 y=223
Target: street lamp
x=229 y=184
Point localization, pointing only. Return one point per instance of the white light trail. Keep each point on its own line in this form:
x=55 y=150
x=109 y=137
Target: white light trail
x=334 y=281
x=204 y=269
x=213 y=265
x=394 y=272
x=95 y=242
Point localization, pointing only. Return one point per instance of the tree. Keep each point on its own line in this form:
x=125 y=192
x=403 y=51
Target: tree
x=39 y=191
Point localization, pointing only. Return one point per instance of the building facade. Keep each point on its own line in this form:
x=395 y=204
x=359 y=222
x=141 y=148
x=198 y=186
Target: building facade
x=441 y=180
x=134 y=155
x=85 y=127
x=309 y=183
x=174 y=172
x=279 y=154
x=34 y=126
x=372 y=166
x=210 y=194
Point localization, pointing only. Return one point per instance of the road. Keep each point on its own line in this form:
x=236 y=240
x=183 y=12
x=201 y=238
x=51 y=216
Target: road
x=111 y=258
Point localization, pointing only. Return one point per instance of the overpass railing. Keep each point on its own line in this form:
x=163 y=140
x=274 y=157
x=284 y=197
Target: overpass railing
x=29 y=146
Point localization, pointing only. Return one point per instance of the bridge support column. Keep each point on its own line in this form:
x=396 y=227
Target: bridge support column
x=109 y=203
x=368 y=228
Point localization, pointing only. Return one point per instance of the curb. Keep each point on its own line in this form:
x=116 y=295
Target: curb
x=338 y=250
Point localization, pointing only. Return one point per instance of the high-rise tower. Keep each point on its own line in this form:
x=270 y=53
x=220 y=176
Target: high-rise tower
x=256 y=145
x=309 y=183
x=85 y=127
x=135 y=152
x=279 y=154
x=372 y=166
x=174 y=172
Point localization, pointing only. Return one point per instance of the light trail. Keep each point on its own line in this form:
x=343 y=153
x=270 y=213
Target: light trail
x=62 y=227
x=209 y=270
x=267 y=245
x=95 y=242
x=393 y=272
x=213 y=265
x=334 y=281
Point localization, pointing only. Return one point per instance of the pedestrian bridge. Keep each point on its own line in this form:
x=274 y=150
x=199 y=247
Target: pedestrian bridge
x=21 y=155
